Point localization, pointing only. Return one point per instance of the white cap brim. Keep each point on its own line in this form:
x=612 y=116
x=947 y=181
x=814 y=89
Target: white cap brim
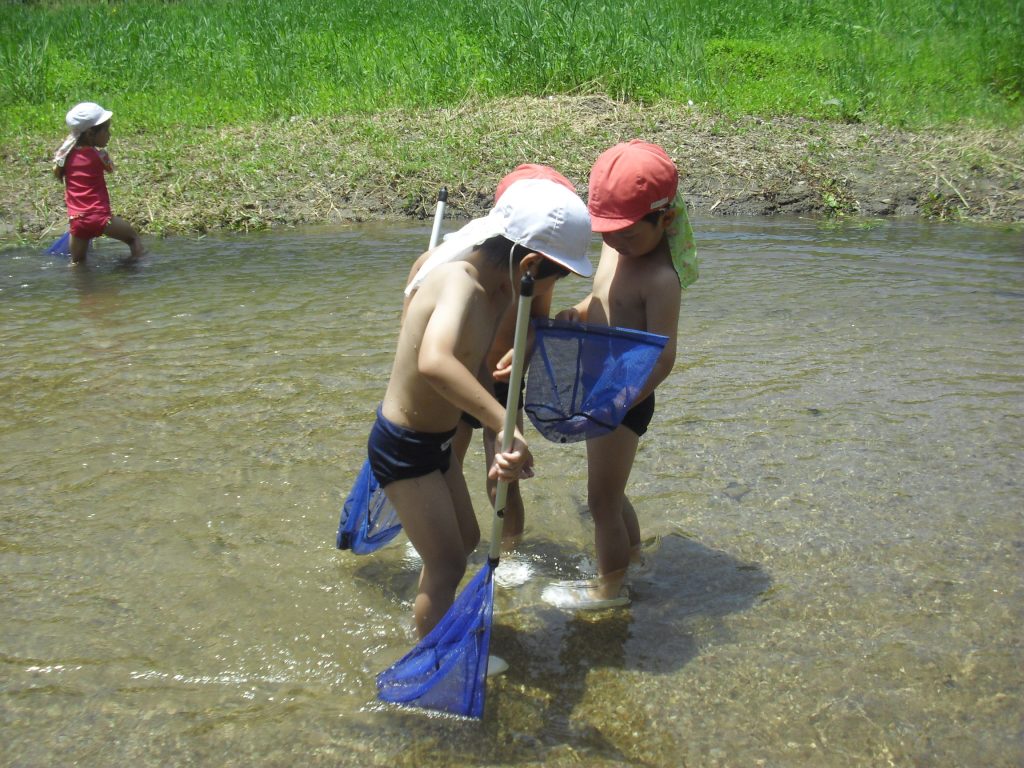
x=538 y=214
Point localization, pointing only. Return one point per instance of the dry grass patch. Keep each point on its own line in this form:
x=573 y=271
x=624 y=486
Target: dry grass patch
x=352 y=168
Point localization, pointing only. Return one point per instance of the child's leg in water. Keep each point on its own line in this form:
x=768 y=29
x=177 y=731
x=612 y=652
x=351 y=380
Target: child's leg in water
x=119 y=229
x=78 y=248
x=616 y=529
x=437 y=516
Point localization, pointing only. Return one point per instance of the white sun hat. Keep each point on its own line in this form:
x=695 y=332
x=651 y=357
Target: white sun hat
x=79 y=119
x=86 y=115
x=538 y=214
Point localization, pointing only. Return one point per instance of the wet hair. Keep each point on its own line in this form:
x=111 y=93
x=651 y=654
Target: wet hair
x=497 y=249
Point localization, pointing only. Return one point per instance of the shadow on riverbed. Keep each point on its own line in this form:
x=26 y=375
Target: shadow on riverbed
x=572 y=674
x=576 y=680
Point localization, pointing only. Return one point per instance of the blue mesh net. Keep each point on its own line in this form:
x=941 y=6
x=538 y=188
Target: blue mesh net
x=61 y=246
x=584 y=378
x=447 y=670
x=368 y=520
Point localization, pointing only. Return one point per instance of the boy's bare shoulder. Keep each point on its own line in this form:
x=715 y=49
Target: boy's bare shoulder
x=658 y=275
x=448 y=281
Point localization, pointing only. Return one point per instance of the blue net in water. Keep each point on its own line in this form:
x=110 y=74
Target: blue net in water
x=368 y=520
x=584 y=378
x=447 y=670
x=61 y=246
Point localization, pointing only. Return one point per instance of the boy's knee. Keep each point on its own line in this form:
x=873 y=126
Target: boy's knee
x=446 y=573
x=602 y=503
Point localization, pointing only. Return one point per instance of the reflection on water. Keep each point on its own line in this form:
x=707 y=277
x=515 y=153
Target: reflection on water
x=833 y=476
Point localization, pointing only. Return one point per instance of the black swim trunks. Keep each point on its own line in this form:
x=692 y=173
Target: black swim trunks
x=639 y=416
x=399 y=453
x=501 y=395
x=501 y=391
x=470 y=419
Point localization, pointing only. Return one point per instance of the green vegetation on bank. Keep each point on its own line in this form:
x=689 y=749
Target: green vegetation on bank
x=161 y=65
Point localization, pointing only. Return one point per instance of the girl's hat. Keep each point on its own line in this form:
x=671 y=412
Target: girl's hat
x=532 y=171
x=86 y=115
x=629 y=181
x=80 y=118
x=538 y=214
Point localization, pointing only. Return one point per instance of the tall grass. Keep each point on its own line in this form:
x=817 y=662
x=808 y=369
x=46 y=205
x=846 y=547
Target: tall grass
x=213 y=62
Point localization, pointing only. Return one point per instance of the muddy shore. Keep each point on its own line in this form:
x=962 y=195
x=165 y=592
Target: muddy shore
x=353 y=168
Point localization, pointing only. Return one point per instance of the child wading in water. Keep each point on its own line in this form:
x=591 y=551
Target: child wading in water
x=497 y=363
x=647 y=258
x=450 y=322
x=81 y=163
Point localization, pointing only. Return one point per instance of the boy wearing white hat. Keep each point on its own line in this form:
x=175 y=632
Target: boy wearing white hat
x=539 y=227
x=497 y=364
x=81 y=163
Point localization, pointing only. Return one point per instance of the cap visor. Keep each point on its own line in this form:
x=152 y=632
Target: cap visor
x=582 y=268
x=601 y=224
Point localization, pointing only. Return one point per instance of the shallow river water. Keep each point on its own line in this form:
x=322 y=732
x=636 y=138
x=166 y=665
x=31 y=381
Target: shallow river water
x=831 y=491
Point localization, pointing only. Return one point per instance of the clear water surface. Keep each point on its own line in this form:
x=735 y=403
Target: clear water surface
x=833 y=480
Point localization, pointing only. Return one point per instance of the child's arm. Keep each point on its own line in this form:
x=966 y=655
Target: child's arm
x=456 y=337
x=449 y=376
x=662 y=313
x=540 y=307
x=446 y=373
x=454 y=326
x=578 y=313
x=108 y=164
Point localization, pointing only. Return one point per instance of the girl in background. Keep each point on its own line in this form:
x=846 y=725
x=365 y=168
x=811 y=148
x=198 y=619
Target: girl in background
x=81 y=163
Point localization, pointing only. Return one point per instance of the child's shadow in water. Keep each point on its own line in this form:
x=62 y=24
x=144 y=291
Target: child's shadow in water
x=684 y=589
x=536 y=705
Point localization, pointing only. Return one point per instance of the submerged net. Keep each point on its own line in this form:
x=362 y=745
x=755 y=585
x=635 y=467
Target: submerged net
x=447 y=670
x=584 y=378
x=61 y=246
x=368 y=520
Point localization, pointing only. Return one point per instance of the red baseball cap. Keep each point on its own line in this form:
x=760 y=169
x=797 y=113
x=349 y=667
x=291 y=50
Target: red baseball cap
x=532 y=171
x=629 y=181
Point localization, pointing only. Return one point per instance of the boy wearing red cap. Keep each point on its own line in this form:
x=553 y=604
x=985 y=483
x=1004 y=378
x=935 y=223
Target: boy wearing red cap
x=646 y=260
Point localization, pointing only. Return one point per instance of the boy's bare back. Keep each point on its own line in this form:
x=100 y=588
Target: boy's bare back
x=450 y=316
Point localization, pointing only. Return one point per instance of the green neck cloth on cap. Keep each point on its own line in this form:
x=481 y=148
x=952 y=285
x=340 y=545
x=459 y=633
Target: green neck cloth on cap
x=681 y=245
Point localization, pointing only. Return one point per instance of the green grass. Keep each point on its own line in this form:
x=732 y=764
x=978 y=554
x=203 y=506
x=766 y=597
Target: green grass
x=159 y=65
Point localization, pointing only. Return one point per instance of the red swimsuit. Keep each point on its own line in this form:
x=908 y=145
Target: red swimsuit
x=85 y=192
